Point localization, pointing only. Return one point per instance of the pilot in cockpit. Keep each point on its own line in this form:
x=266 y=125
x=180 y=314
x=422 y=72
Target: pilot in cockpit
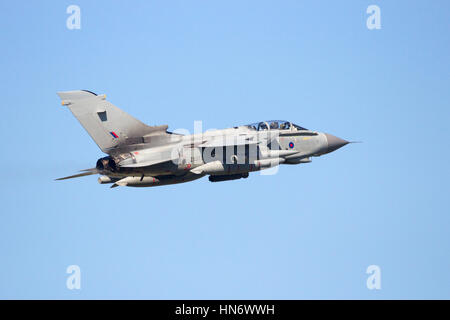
x=262 y=126
x=274 y=125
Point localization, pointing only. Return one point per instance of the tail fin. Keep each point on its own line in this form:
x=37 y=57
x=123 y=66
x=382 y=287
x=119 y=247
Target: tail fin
x=107 y=125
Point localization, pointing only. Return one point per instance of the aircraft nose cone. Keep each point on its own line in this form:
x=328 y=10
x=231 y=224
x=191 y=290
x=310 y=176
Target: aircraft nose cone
x=334 y=143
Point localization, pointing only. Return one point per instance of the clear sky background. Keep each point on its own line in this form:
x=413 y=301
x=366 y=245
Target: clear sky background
x=310 y=231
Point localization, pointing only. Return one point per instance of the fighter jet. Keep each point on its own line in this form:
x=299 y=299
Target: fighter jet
x=146 y=156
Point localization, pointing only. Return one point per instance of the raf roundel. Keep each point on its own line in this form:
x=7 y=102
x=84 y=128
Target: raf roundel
x=291 y=145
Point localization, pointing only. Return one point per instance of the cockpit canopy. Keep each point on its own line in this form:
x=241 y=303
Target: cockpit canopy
x=274 y=125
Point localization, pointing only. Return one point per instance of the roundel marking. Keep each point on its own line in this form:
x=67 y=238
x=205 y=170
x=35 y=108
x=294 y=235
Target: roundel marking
x=291 y=145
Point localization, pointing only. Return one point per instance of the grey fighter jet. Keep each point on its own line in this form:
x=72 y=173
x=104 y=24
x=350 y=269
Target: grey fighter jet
x=145 y=156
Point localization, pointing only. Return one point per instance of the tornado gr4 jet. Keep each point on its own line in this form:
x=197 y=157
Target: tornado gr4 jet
x=146 y=156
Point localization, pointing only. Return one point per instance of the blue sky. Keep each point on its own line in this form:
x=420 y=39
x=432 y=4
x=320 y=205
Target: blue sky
x=309 y=231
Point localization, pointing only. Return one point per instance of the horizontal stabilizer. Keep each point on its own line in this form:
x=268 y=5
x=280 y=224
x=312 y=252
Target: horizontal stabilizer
x=86 y=172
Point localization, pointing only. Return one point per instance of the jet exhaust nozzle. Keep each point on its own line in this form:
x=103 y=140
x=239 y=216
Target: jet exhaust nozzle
x=106 y=163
